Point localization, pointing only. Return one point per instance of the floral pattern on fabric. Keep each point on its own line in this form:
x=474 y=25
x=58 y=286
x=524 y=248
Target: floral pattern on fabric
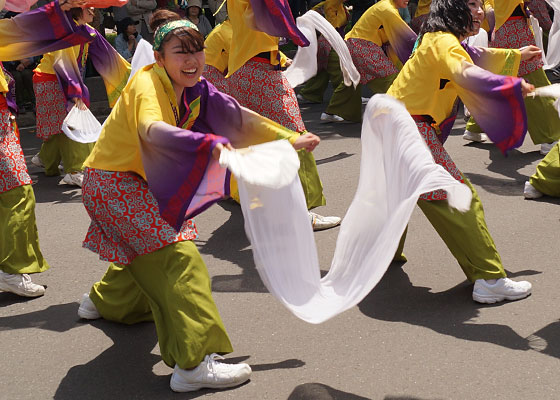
x=441 y=157
x=13 y=170
x=514 y=34
x=323 y=50
x=216 y=78
x=51 y=108
x=370 y=60
x=265 y=90
x=125 y=218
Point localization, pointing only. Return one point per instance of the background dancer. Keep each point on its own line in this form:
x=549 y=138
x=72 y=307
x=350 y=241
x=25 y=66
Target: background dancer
x=255 y=80
x=513 y=31
x=379 y=43
x=59 y=85
x=20 y=254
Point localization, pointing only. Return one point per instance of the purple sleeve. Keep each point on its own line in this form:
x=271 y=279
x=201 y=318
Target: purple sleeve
x=275 y=18
x=181 y=171
x=39 y=31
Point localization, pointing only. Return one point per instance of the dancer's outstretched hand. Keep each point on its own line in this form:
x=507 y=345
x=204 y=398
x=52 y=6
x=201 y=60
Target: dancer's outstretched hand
x=530 y=53
x=307 y=141
x=526 y=87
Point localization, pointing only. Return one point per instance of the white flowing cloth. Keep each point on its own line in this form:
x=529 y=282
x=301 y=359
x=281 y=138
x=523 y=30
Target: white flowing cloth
x=304 y=65
x=553 y=50
x=144 y=55
x=396 y=168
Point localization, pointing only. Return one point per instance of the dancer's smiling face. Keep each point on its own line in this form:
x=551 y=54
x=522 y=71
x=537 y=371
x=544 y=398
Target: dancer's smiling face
x=183 y=66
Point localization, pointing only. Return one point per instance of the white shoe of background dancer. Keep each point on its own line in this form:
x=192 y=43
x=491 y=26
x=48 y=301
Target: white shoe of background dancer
x=20 y=284
x=320 y=223
x=87 y=309
x=331 y=118
x=35 y=160
x=475 y=137
x=210 y=373
x=530 y=192
x=485 y=291
x=546 y=147
x=75 y=179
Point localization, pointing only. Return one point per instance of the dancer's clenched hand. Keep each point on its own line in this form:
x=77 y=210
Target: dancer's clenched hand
x=307 y=141
x=218 y=149
x=526 y=87
x=530 y=53
x=80 y=103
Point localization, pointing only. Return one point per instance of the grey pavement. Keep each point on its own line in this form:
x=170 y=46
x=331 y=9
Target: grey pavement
x=417 y=335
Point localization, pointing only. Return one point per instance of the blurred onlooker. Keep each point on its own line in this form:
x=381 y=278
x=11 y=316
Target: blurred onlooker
x=120 y=13
x=127 y=38
x=194 y=14
x=22 y=71
x=141 y=11
x=221 y=15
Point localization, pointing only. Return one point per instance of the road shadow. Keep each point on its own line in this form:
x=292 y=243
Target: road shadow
x=320 y=391
x=230 y=243
x=547 y=340
x=336 y=157
x=509 y=165
x=57 y=318
x=449 y=312
x=125 y=370
x=47 y=189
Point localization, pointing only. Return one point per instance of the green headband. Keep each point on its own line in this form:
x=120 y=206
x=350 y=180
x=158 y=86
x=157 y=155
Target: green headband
x=163 y=30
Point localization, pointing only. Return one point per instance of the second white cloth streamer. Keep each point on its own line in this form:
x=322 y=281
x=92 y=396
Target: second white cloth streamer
x=396 y=168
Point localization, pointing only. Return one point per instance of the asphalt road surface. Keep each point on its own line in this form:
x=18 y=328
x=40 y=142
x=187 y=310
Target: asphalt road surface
x=417 y=335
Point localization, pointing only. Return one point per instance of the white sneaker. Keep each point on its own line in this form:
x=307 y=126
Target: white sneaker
x=546 y=147
x=475 y=137
x=503 y=289
x=87 y=309
x=210 y=373
x=20 y=284
x=331 y=118
x=35 y=160
x=365 y=100
x=75 y=178
x=320 y=223
x=530 y=192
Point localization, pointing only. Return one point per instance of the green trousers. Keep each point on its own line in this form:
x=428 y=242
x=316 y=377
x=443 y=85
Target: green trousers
x=61 y=148
x=346 y=101
x=170 y=286
x=547 y=177
x=19 y=241
x=466 y=236
x=542 y=118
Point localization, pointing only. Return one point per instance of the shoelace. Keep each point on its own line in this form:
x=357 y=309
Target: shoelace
x=212 y=364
